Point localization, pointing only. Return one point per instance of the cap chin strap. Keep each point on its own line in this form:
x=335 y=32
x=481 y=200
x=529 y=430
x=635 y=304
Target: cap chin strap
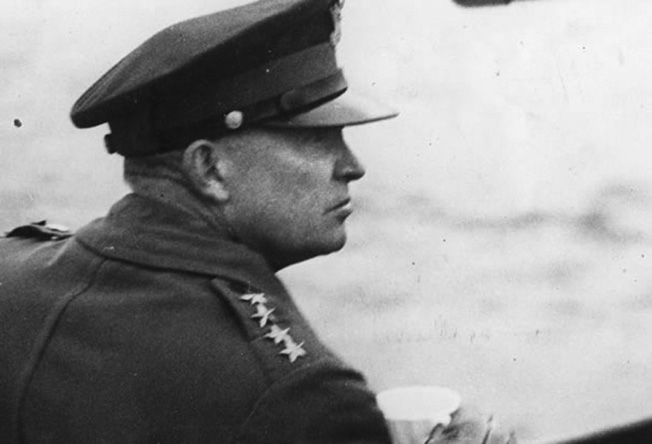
x=298 y=100
x=283 y=86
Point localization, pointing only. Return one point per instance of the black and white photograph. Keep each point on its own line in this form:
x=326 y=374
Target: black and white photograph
x=326 y=221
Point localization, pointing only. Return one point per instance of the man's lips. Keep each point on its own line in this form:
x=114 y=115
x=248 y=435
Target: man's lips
x=344 y=206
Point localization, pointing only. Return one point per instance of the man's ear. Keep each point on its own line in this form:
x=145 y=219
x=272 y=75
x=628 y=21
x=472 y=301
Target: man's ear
x=204 y=166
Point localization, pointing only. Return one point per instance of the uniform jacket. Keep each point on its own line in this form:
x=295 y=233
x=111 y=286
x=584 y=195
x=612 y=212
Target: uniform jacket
x=148 y=327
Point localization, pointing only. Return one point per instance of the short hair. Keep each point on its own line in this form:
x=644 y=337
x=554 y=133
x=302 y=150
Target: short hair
x=142 y=173
x=139 y=172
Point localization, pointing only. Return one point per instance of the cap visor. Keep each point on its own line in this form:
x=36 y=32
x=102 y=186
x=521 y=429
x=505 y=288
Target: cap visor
x=347 y=109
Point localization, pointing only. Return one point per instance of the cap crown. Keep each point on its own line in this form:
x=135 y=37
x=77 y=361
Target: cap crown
x=178 y=70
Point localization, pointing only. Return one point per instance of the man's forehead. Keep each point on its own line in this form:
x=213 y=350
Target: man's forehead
x=294 y=134
x=255 y=144
x=325 y=138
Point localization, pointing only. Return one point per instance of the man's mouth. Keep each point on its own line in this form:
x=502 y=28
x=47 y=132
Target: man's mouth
x=344 y=208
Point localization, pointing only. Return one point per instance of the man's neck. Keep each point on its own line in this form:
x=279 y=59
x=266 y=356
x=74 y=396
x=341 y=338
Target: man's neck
x=174 y=192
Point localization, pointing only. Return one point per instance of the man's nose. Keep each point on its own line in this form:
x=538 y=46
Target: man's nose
x=348 y=167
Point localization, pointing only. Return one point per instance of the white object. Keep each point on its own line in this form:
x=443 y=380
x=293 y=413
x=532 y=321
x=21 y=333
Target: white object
x=413 y=412
x=234 y=120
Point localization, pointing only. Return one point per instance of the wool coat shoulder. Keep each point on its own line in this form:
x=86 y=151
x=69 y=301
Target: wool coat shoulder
x=148 y=327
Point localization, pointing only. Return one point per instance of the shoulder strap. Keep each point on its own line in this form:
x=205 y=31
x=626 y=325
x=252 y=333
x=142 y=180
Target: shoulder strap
x=273 y=326
x=41 y=231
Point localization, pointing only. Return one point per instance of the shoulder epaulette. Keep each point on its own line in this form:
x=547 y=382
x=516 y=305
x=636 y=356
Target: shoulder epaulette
x=40 y=230
x=261 y=321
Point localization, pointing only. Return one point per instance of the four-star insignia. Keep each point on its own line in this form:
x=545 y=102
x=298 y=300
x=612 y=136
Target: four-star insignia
x=263 y=313
x=278 y=335
x=265 y=317
x=254 y=298
x=293 y=350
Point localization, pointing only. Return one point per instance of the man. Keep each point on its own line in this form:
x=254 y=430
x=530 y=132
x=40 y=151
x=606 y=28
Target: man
x=163 y=322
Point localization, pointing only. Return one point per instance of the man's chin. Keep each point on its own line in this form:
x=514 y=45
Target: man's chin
x=338 y=242
x=325 y=248
x=322 y=249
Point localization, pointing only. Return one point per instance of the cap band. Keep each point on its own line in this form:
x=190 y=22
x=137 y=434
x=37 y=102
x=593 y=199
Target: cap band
x=298 y=100
x=292 y=83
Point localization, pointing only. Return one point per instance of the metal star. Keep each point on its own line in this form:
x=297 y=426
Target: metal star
x=254 y=298
x=293 y=351
x=278 y=335
x=263 y=313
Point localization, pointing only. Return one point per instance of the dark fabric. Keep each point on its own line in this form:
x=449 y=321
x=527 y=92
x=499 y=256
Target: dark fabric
x=135 y=331
x=198 y=54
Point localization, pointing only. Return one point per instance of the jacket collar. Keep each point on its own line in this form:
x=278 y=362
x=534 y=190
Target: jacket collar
x=149 y=233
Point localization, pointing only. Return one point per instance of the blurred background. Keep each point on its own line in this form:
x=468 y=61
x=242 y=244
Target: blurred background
x=503 y=233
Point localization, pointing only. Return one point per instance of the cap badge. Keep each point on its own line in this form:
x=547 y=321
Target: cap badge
x=336 y=13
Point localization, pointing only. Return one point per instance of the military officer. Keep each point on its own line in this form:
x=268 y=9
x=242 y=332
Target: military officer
x=163 y=322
